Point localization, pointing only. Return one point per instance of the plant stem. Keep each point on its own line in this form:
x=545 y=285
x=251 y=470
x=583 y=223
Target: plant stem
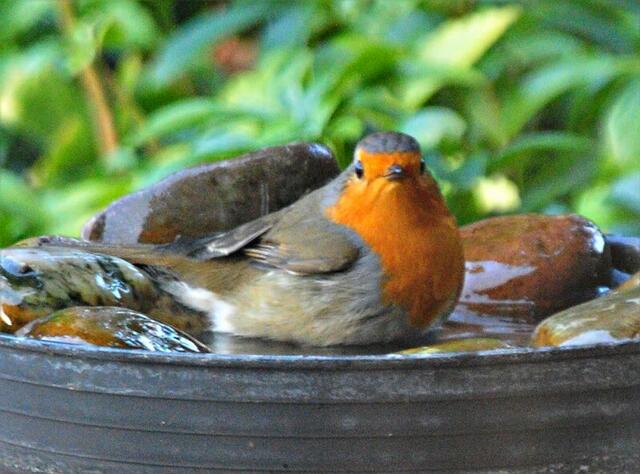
x=125 y=100
x=102 y=117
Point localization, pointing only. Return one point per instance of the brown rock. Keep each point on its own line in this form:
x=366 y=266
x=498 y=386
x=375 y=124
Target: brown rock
x=533 y=265
x=459 y=345
x=520 y=269
x=219 y=196
x=613 y=317
x=111 y=327
x=625 y=253
x=36 y=281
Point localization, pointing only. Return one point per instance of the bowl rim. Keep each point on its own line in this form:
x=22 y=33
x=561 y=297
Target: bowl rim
x=517 y=355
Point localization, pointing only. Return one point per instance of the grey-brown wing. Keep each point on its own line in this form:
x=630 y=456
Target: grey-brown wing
x=298 y=239
x=307 y=246
x=225 y=243
x=218 y=245
x=134 y=253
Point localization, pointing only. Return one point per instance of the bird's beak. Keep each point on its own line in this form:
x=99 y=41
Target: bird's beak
x=395 y=172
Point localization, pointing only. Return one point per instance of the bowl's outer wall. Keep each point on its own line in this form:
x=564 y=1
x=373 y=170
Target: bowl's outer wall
x=68 y=409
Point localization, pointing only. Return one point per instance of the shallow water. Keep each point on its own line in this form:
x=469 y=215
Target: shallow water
x=227 y=344
x=461 y=325
x=464 y=324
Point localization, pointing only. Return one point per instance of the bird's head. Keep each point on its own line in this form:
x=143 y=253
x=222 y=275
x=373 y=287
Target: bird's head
x=388 y=174
x=390 y=164
x=390 y=156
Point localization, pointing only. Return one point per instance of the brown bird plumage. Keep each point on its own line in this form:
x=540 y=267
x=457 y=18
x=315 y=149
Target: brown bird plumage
x=373 y=256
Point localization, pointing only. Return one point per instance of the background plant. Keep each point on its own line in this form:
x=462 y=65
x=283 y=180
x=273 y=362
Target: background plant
x=519 y=106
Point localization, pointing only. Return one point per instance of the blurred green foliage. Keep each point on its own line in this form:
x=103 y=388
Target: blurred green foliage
x=519 y=106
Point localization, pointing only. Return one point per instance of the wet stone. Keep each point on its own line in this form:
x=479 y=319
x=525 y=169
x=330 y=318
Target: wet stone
x=523 y=268
x=632 y=282
x=464 y=323
x=215 y=197
x=473 y=344
x=611 y=318
x=34 y=282
x=110 y=327
x=625 y=253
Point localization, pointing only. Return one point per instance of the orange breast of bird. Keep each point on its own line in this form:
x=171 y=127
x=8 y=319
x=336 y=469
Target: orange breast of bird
x=409 y=227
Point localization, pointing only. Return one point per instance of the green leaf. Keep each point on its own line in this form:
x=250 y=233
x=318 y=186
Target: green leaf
x=408 y=28
x=221 y=144
x=19 y=17
x=274 y=87
x=379 y=19
x=121 y=161
x=458 y=44
x=20 y=210
x=181 y=49
x=69 y=152
x=532 y=145
x=84 y=44
x=557 y=178
x=496 y=194
x=626 y=192
x=597 y=21
x=71 y=206
x=164 y=162
x=127 y=23
x=378 y=107
x=622 y=127
x=351 y=60
x=462 y=171
x=592 y=203
x=543 y=85
x=4 y=147
x=483 y=111
x=294 y=26
x=435 y=125
x=462 y=42
x=173 y=118
x=542 y=45
x=26 y=86
x=442 y=74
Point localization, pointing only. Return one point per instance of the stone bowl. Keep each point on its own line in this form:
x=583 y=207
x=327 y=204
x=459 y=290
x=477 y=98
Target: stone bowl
x=68 y=408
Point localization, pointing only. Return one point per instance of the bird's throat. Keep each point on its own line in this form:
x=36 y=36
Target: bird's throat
x=415 y=237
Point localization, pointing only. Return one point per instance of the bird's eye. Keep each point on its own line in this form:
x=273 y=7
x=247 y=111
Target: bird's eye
x=359 y=169
x=422 y=166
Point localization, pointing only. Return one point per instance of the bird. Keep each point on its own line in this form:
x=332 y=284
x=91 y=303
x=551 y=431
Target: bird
x=374 y=256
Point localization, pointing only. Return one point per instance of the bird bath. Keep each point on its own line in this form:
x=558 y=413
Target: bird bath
x=74 y=409
x=256 y=406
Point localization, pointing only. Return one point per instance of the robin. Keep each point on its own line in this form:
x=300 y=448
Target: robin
x=373 y=256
